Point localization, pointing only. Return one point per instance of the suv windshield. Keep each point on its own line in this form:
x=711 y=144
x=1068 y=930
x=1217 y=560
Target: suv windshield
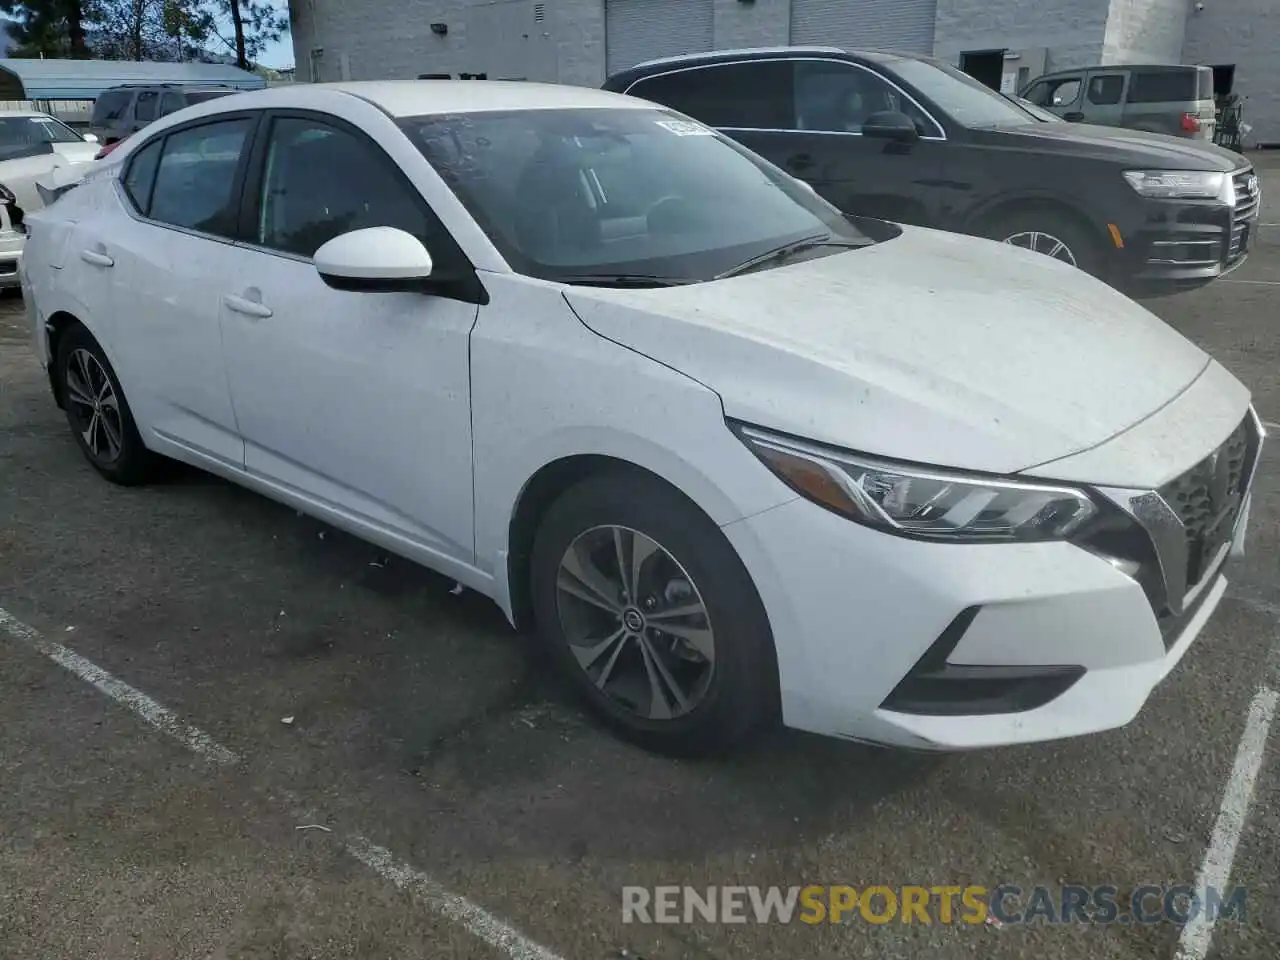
x=968 y=101
x=632 y=194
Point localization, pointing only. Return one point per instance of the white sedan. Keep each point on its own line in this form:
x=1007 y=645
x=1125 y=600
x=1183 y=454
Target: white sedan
x=730 y=454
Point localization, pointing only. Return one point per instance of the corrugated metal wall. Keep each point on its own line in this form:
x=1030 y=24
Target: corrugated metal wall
x=865 y=24
x=638 y=30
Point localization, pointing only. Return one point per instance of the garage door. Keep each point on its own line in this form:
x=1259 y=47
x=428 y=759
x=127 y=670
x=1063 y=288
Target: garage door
x=638 y=30
x=865 y=24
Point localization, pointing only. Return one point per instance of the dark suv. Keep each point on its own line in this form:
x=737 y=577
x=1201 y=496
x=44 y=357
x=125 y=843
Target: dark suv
x=120 y=112
x=913 y=140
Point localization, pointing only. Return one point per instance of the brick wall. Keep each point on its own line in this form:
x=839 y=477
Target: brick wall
x=1072 y=30
x=1246 y=33
x=1145 y=31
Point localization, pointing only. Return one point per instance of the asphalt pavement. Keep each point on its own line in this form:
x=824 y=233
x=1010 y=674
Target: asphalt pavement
x=227 y=731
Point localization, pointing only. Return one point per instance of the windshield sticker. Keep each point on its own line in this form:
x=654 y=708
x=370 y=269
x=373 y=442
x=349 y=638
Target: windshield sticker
x=685 y=128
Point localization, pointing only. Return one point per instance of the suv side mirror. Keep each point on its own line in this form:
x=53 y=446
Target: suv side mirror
x=90 y=138
x=890 y=125
x=375 y=259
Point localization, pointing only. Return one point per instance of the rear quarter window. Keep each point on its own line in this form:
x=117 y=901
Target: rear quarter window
x=1171 y=85
x=110 y=105
x=757 y=93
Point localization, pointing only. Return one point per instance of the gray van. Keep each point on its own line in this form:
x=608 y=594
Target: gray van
x=1176 y=100
x=122 y=111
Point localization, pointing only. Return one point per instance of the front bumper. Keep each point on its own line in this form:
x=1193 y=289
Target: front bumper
x=11 y=244
x=1173 y=245
x=1060 y=640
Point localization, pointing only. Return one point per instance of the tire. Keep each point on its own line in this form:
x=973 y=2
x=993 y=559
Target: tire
x=1081 y=247
x=727 y=697
x=80 y=358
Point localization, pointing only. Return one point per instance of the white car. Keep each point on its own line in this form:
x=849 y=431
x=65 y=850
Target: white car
x=32 y=145
x=732 y=454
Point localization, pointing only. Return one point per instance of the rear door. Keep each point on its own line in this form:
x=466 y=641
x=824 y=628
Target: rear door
x=1104 y=92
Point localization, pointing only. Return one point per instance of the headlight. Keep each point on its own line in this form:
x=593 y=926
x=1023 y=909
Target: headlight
x=920 y=501
x=1181 y=184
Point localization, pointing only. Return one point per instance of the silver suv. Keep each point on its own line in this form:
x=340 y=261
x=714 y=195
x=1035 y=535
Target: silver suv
x=1176 y=100
x=122 y=111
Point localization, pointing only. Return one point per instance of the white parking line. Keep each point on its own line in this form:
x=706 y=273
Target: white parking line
x=472 y=917
x=1260 y=283
x=460 y=910
x=1215 y=871
x=159 y=716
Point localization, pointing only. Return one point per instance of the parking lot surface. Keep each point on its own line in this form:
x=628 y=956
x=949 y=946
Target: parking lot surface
x=360 y=762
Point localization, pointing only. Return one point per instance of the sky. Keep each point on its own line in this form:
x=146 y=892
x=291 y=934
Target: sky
x=278 y=54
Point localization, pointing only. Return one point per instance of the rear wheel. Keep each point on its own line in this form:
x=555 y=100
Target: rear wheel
x=647 y=610
x=97 y=411
x=1048 y=232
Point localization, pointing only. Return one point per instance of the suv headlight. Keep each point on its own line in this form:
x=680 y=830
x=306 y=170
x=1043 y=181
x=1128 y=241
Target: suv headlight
x=921 y=502
x=1181 y=184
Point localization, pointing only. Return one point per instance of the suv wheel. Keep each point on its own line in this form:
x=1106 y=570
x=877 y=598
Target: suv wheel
x=1050 y=233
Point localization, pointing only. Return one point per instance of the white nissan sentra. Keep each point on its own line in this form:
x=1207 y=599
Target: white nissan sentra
x=729 y=454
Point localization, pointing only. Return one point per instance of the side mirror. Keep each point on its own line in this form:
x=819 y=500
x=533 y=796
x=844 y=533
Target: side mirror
x=90 y=138
x=890 y=125
x=376 y=259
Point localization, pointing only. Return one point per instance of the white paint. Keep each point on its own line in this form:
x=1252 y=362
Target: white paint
x=1259 y=283
x=1271 y=426
x=156 y=714
x=460 y=910
x=1215 y=871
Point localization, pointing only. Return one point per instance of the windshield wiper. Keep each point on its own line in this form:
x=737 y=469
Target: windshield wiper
x=627 y=280
x=779 y=254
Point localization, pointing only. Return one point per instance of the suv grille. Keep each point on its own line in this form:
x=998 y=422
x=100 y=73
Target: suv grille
x=1208 y=497
x=1246 y=206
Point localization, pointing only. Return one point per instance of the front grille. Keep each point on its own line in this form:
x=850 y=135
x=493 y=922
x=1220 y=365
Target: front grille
x=1208 y=497
x=1247 y=201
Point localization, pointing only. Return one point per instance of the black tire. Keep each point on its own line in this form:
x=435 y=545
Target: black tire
x=1084 y=247
x=134 y=464
x=740 y=695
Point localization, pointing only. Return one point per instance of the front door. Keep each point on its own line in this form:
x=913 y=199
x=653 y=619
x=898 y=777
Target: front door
x=825 y=146
x=357 y=401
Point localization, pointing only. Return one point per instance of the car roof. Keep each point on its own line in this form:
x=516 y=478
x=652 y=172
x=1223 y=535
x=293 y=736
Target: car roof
x=647 y=68
x=410 y=98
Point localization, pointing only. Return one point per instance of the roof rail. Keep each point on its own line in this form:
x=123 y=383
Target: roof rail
x=737 y=52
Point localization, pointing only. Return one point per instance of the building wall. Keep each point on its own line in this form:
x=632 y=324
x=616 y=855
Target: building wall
x=1145 y=31
x=1246 y=33
x=1073 y=32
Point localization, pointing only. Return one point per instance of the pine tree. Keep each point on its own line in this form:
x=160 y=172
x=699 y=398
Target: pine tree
x=51 y=28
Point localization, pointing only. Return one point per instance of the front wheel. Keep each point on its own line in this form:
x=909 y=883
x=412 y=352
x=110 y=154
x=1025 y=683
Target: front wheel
x=647 y=610
x=1050 y=233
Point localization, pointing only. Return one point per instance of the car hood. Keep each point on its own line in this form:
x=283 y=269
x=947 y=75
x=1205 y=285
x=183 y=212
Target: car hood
x=932 y=347
x=1152 y=150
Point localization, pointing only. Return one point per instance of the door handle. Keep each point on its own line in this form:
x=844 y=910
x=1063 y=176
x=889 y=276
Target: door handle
x=800 y=162
x=97 y=258
x=1075 y=116
x=248 y=307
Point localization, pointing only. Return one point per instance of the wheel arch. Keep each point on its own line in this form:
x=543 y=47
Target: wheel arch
x=55 y=328
x=987 y=216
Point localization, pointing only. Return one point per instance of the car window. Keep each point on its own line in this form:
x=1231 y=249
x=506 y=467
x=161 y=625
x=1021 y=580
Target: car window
x=1063 y=93
x=202 y=96
x=1106 y=89
x=31 y=136
x=170 y=103
x=756 y=94
x=964 y=99
x=321 y=181
x=1170 y=85
x=196 y=177
x=110 y=105
x=145 y=108
x=838 y=97
x=643 y=192
x=141 y=175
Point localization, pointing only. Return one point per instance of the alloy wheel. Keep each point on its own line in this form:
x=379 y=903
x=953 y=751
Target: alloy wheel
x=635 y=622
x=94 y=406
x=1037 y=241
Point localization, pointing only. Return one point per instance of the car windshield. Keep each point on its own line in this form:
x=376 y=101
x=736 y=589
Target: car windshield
x=629 y=193
x=969 y=102
x=28 y=136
